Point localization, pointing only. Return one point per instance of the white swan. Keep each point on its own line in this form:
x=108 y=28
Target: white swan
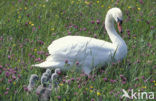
x=88 y=52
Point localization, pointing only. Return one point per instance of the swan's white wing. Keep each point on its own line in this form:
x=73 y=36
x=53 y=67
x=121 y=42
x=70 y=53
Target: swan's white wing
x=79 y=48
x=68 y=46
x=89 y=52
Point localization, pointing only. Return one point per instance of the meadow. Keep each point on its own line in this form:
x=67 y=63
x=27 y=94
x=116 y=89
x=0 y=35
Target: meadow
x=27 y=27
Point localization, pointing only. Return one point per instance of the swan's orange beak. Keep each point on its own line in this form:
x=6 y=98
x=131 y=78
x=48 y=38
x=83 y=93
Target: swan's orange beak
x=120 y=27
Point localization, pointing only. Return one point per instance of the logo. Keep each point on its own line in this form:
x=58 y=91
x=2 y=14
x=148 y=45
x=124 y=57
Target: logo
x=138 y=95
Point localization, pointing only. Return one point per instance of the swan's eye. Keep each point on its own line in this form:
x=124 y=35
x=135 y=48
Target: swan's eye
x=119 y=20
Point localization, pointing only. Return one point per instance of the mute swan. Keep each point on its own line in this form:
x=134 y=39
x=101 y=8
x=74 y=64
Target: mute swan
x=32 y=80
x=88 y=52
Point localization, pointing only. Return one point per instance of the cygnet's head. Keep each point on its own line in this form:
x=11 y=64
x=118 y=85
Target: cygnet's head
x=45 y=74
x=44 y=80
x=48 y=71
x=54 y=76
x=58 y=71
x=33 y=77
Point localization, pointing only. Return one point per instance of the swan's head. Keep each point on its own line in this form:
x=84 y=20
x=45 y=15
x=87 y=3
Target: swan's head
x=117 y=15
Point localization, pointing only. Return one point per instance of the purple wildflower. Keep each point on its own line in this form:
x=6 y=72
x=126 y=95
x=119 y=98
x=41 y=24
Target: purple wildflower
x=149 y=45
x=95 y=36
x=28 y=15
x=69 y=81
x=63 y=80
x=75 y=26
x=77 y=63
x=13 y=77
x=84 y=29
x=6 y=93
x=26 y=23
x=7 y=74
x=25 y=88
x=143 y=77
x=72 y=79
x=123 y=82
x=39 y=17
x=33 y=29
x=40 y=42
x=19 y=1
x=123 y=78
x=75 y=93
x=92 y=99
x=46 y=54
x=128 y=32
x=9 y=57
x=141 y=1
x=78 y=78
x=112 y=81
x=1 y=66
x=98 y=21
x=66 y=61
x=9 y=81
x=19 y=75
x=137 y=79
x=105 y=79
x=152 y=27
x=92 y=22
x=79 y=86
x=59 y=97
x=69 y=33
x=7 y=89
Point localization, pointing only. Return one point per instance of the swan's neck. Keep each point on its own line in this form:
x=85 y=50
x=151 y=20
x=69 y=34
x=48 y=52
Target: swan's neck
x=114 y=36
x=121 y=47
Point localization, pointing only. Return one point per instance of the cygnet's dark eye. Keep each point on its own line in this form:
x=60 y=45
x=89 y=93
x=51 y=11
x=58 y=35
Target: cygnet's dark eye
x=119 y=20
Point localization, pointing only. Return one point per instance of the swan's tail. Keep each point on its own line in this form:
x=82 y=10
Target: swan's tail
x=45 y=64
x=49 y=63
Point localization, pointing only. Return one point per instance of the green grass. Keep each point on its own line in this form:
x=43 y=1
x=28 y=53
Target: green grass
x=25 y=25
